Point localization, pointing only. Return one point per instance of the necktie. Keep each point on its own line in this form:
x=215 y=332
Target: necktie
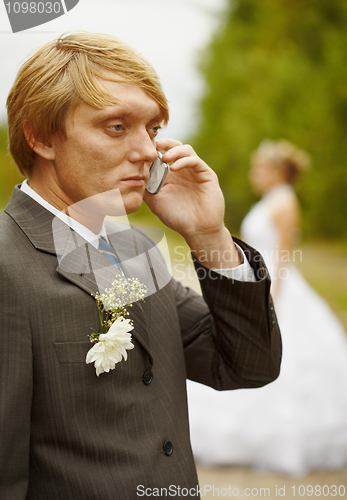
x=108 y=251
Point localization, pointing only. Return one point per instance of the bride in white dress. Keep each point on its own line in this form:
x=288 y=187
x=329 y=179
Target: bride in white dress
x=299 y=422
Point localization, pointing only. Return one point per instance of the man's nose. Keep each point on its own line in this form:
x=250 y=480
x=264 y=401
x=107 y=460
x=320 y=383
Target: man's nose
x=144 y=149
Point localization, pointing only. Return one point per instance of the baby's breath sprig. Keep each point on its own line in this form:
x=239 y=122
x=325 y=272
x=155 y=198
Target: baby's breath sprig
x=113 y=303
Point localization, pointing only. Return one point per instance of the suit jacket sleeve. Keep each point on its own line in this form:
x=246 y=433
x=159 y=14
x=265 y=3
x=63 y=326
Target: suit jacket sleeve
x=16 y=379
x=236 y=342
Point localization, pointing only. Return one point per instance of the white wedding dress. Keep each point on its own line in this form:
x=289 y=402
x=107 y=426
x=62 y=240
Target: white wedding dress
x=297 y=423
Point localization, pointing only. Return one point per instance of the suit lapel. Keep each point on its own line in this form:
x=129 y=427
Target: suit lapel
x=78 y=261
x=33 y=219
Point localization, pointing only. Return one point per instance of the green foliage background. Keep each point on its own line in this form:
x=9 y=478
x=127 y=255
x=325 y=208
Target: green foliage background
x=277 y=69
x=9 y=175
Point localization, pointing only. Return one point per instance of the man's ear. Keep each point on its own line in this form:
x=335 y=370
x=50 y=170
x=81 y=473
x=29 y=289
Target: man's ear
x=41 y=147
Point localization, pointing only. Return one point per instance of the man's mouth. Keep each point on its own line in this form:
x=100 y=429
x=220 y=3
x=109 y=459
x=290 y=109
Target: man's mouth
x=135 y=180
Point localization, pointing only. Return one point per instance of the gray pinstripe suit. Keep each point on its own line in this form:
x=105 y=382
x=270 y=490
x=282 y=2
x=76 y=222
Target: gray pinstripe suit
x=67 y=434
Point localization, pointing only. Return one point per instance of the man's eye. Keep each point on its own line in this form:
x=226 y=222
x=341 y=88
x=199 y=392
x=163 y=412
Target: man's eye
x=117 y=127
x=155 y=130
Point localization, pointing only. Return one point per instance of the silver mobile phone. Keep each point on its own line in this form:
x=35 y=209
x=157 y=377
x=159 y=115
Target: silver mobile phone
x=157 y=175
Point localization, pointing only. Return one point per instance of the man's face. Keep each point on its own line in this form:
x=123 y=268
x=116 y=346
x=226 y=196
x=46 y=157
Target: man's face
x=108 y=149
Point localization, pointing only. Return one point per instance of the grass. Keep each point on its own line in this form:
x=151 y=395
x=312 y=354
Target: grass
x=324 y=265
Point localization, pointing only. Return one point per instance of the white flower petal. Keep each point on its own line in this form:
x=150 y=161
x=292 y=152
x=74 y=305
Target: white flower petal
x=111 y=347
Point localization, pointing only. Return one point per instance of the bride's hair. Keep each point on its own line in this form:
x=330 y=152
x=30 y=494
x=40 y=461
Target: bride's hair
x=285 y=155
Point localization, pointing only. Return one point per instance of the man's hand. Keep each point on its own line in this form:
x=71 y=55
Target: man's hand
x=192 y=203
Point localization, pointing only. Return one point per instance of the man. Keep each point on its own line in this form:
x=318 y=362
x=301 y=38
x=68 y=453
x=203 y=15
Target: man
x=83 y=117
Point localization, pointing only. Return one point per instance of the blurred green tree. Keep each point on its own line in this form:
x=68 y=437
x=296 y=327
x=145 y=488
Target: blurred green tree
x=277 y=69
x=9 y=174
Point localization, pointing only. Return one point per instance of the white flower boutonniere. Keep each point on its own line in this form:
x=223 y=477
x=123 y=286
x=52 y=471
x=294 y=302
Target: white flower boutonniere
x=111 y=346
x=112 y=342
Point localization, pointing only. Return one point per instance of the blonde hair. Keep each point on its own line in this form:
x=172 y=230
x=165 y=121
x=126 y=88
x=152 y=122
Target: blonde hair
x=63 y=73
x=283 y=154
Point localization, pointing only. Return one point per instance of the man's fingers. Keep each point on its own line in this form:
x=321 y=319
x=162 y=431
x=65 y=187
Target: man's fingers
x=166 y=144
x=177 y=152
x=181 y=156
x=187 y=162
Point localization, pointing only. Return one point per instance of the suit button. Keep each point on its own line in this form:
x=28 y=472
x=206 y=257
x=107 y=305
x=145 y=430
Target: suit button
x=147 y=377
x=168 y=447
